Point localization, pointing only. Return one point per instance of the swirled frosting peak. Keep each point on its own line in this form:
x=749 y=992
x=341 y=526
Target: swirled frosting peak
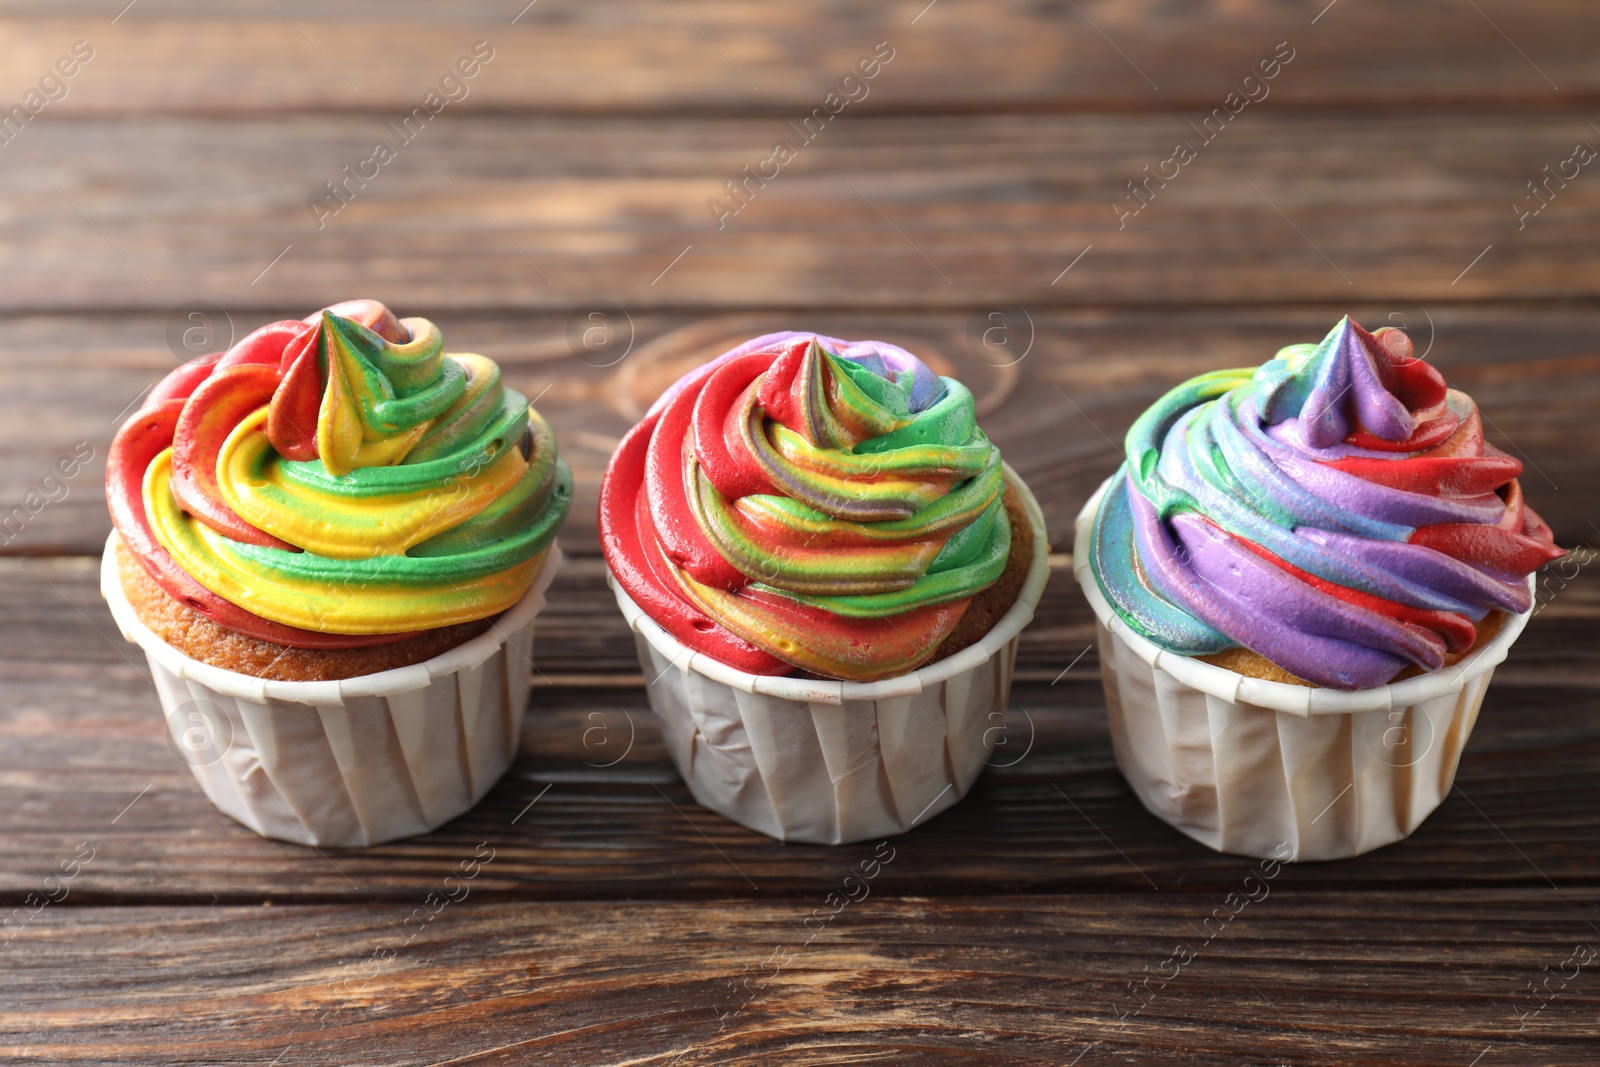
x=803 y=501
x=1336 y=510
x=339 y=481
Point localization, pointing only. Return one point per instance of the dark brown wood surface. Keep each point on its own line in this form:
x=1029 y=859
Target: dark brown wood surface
x=1321 y=977
x=618 y=56
x=617 y=922
x=932 y=211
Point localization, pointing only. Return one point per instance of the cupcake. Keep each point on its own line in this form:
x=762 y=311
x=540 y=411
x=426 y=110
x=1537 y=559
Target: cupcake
x=1305 y=574
x=827 y=566
x=331 y=542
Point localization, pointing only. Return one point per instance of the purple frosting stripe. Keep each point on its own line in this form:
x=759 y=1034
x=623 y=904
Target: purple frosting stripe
x=1314 y=636
x=1429 y=569
x=1347 y=370
x=1234 y=528
x=1372 y=499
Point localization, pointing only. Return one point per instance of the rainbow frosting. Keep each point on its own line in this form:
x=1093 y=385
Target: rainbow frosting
x=338 y=482
x=807 y=502
x=1335 y=510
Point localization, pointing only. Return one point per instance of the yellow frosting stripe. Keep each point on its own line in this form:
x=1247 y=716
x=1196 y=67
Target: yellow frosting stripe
x=471 y=410
x=365 y=604
x=344 y=475
x=343 y=526
x=381 y=397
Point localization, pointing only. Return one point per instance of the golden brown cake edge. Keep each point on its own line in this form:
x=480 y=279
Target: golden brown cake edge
x=990 y=605
x=197 y=637
x=1255 y=665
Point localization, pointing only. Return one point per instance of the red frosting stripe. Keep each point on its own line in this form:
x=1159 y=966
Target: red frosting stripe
x=183 y=381
x=832 y=508
x=624 y=511
x=1465 y=465
x=226 y=386
x=220 y=403
x=139 y=441
x=1517 y=545
x=292 y=419
x=1450 y=631
x=679 y=533
x=722 y=422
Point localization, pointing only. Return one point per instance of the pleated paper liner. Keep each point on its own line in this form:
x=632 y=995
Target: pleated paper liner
x=830 y=762
x=357 y=761
x=1272 y=770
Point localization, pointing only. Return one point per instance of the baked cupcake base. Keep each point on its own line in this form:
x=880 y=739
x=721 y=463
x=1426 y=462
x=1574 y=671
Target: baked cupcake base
x=991 y=604
x=197 y=637
x=348 y=761
x=1277 y=770
x=830 y=762
x=1255 y=665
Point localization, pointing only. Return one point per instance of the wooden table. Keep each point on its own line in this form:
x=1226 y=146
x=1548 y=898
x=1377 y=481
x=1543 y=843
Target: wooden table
x=984 y=172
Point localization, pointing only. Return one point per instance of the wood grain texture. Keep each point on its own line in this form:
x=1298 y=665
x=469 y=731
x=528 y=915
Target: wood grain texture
x=1058 y=413
x=610 y=920
x=1301 y=978
x=877 y=212
x=635 y=55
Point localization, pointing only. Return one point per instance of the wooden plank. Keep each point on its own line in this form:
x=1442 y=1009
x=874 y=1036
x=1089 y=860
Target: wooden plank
x=1296 y=977
x=1012 y=929
x=713 y=54
x=81 y=739
x=1058 y=414
x=945 y=212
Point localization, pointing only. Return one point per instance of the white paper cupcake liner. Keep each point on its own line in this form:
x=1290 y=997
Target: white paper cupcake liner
x=1280 y=771
x=357 y=761
x=829 y=762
